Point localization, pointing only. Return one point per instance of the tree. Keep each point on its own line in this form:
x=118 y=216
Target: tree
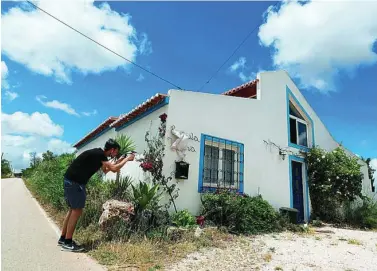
x=334 y=179
x=6 y=168
x=48 y=155
x=34 y=160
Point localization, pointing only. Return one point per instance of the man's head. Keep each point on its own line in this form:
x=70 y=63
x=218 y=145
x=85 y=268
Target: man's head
x=112 y=148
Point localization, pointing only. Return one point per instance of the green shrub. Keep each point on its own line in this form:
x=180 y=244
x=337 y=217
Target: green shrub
x=362 y=214
x=98 y=192
x=183 y=218
x=46 y=180
x=240 y=213
x=334 y=179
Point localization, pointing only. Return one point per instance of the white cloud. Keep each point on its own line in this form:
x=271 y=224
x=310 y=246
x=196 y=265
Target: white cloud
x=17 y=149
x=50 y=48
x=34 y=124
x=59 y=146
x=140 y=78
x=145 y=46
x=4 y=75
x=10 y=95
x=88 y=114
x=318 y=40
x=239 y=64
x=240 y=67
x=23 y=133
x=57 y=105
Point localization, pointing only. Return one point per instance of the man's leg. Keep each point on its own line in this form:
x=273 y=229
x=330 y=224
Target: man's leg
x=64 y=229
x=65 y=223
x=76 y=195
x=71 y=225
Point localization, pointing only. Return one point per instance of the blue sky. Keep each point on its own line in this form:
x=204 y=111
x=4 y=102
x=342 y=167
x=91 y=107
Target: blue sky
x=66 y=85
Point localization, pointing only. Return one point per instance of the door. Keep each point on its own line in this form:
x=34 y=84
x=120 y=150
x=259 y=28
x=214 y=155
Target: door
x=298 y=191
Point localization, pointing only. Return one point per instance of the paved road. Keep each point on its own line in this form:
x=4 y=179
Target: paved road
x=29 y=239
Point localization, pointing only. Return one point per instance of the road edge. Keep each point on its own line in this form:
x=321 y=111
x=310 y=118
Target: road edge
x=55 y=227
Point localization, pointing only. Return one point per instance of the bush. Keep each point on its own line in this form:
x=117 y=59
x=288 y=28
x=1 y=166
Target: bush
x=334 y=179
x=47 y=180
x=240 y=213
x=183 y=218
x=363 y=214
x=98 y=192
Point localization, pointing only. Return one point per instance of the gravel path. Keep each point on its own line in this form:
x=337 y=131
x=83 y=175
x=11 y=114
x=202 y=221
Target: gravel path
x=328 y=249
x=28 y=239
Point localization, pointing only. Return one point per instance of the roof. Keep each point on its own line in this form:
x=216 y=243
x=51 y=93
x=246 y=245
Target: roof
x=96 y=131
x=140 y=109
x=246 y=90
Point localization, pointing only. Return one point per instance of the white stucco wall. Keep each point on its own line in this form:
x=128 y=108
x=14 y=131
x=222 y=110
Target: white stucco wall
x=248 y=121
x=137 y=132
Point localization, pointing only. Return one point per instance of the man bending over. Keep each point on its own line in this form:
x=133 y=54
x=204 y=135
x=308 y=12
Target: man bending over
x=75 y=180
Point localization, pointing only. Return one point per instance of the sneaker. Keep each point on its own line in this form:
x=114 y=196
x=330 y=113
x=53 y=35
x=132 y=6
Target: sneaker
x=73 y=247
x=61 y=242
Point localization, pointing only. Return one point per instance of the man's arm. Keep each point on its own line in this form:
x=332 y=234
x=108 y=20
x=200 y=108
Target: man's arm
x=116 y=167
x=105 y=169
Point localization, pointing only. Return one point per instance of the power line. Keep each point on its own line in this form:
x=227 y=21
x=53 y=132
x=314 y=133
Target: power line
x=140 y=67
x=238 y=47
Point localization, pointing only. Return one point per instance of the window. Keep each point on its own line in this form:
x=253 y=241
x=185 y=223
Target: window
x=221 y=165
x=298 y=127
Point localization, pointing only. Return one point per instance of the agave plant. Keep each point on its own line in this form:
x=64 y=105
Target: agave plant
x=145 y=196
x=126 y=145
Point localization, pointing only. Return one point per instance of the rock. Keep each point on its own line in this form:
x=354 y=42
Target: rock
x=115 y=209
x=198 y=232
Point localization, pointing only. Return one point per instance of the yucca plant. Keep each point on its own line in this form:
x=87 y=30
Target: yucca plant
x=126 y=145
x=121 y=190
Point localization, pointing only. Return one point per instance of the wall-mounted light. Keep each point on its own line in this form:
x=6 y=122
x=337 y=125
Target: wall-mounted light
x=282 y=154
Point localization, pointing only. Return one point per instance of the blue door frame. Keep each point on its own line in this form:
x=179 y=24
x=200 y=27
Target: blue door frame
x=299 y=189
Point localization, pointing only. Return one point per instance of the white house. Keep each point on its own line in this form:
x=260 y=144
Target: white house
x=247 y=139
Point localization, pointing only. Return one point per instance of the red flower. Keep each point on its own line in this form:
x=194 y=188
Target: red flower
x=200 y=220
x=163 y=117
x=146 y=166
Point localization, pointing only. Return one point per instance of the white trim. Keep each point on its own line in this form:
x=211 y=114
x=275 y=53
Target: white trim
x=308 y=140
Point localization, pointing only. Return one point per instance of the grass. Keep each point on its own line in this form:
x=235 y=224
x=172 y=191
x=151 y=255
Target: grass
x=354 y=242
x=138 y=253
x=267 y=257
x=148 y=253
x=278 y=268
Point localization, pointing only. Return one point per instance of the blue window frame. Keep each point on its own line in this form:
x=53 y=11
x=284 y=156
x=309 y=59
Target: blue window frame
x=300 y=124
x=221 y=164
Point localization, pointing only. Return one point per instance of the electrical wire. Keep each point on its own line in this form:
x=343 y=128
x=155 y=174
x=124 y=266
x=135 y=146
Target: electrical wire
x=237 y=48
x=74 y=29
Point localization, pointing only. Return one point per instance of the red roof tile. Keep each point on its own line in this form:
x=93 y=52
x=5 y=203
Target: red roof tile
x=156 y=99
x=246 y=90
x=95 y=131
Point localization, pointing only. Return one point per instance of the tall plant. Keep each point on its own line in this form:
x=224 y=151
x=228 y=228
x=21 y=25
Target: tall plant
x=334 y=179
x=153 y=162
x=126 y=145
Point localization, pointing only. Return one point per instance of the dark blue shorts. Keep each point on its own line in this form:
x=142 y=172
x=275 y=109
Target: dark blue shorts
x=74 y=194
